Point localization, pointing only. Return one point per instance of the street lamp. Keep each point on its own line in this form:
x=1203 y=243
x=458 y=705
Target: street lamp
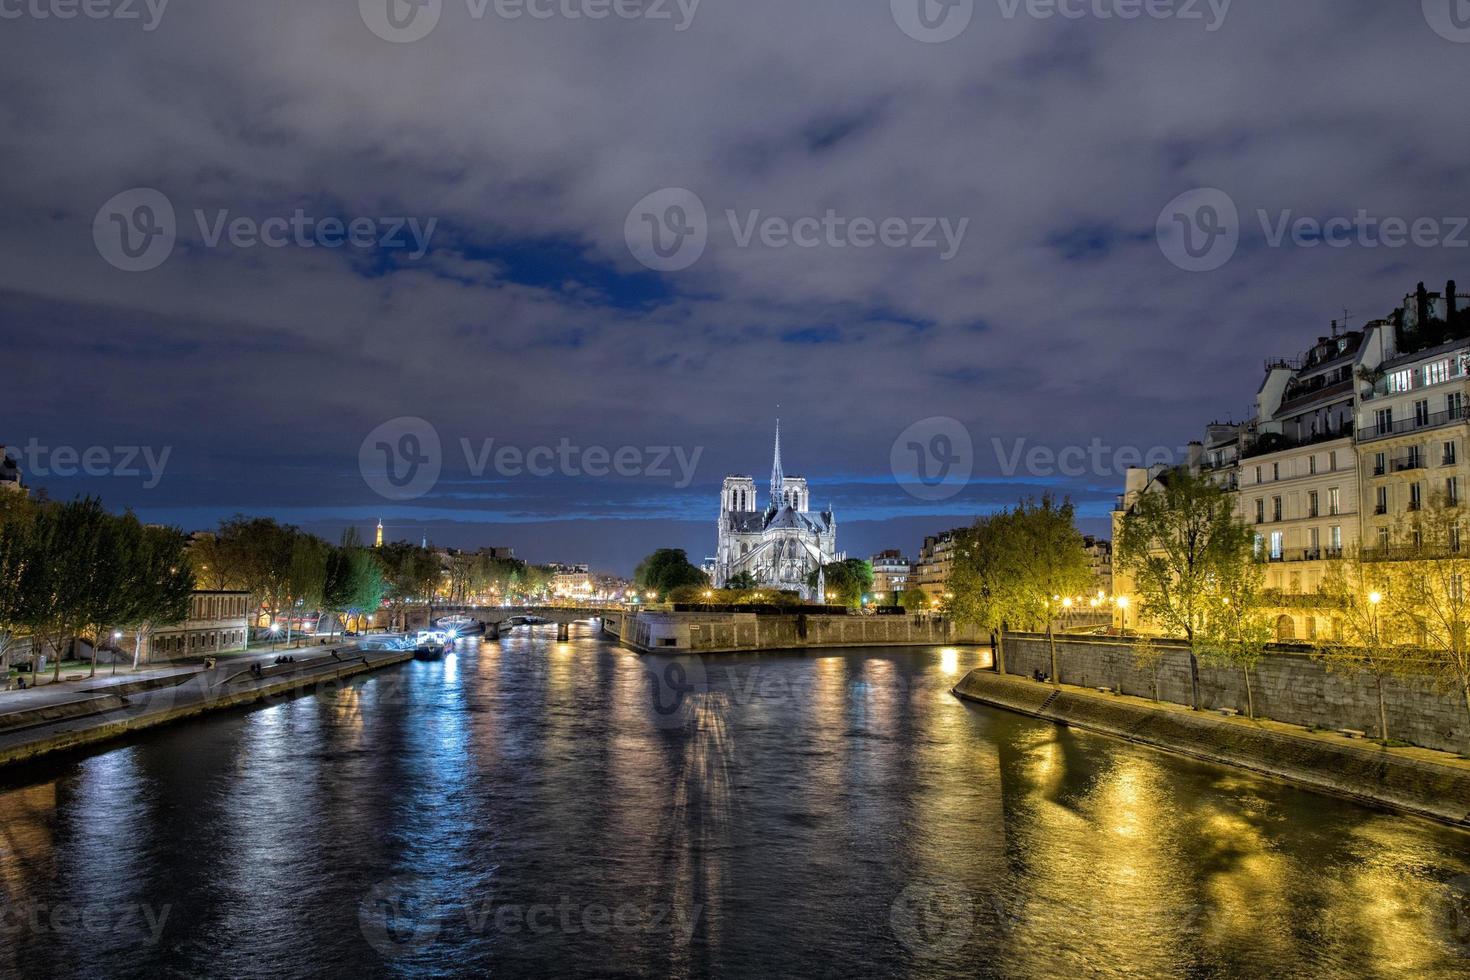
x=1123 y=608
x=275 y=632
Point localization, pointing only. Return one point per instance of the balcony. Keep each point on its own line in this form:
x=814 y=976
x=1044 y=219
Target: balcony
x=1416 y=424
x=1404 y=463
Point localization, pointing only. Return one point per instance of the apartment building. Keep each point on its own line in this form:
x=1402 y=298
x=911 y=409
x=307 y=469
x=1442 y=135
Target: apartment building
x=1346 y=443
x=936 y=563
x=891 y=575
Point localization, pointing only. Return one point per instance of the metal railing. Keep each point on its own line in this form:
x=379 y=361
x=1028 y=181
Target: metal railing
x=1431 y=421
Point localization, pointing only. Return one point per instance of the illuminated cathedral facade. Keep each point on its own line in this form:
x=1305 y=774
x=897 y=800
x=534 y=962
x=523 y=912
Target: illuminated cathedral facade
x=781 y=544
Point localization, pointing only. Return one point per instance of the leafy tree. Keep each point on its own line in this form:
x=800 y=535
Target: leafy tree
x=160 y=587
x=306 y=577
x=743 y=580
x=1238 y=633
x=914 y=600
x=667 y=569
x=109 y=595
x=410 y=574
x=847 y=581
x=59 y=579
x=1182 y=544
x=1148 y=655
x=17 y=551
x=1428 y=591
x=1371 y=641
x=257 y=551
x=1013 y=568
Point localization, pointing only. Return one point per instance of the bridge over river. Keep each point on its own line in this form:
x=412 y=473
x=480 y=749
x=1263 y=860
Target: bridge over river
x=500 y=618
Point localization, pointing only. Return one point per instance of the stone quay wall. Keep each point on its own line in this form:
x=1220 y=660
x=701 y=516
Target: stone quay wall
x=1287 y=687
x=1355 y=770
x=697 y=632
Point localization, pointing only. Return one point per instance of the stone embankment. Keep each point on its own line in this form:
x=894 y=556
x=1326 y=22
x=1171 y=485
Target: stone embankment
x=730 y=632
x=1407 y=780
x=95 y=713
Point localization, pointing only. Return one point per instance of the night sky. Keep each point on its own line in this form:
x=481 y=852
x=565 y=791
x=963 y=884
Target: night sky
x=505 y=176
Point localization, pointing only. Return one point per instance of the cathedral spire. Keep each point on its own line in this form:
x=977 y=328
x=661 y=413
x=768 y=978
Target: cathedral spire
x=778 y=479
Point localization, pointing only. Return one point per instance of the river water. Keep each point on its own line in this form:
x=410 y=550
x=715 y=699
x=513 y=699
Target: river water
x=535 y=808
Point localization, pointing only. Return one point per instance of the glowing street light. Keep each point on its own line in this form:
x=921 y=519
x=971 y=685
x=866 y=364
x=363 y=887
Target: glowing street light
x=1375 y=598
x=275 y=632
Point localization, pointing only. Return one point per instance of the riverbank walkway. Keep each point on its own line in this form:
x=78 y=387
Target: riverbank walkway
x=80 y=711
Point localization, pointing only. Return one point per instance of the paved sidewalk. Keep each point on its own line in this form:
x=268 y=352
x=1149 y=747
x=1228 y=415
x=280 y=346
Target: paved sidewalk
x=48 y=693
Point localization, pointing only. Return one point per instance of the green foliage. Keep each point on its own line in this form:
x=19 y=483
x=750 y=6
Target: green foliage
x=668 y=569
x=744 y=580
x=1187 y=552
x=1010 y=566
x=847 y=581
x=914 y=600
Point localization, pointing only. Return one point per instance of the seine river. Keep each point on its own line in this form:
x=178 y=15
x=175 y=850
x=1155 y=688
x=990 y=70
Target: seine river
x=534 y=808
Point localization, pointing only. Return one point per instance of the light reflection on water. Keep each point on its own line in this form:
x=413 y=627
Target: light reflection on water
x=838 y=814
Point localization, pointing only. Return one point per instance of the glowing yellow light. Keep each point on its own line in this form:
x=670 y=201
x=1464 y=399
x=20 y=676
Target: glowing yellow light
x=949 y=660
x=1375 y=598
x=1122 y=602
x=1067 y=603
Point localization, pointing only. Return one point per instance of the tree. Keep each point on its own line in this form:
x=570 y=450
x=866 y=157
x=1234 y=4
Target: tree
x=1014 y=568
x=1180 y=543
x=1370 y=642
x=1238 y=633
x=354 y=583
x=1427 y=590
x=741 y=581
x=667 y=569
x=109 y=589
x=161 y=585
x=1148 y=655
x=409 y=573
x=914 y=600
x=59 y=579
x=306 y=576
x=847 y=581
x=17 y=551
x=257 y=552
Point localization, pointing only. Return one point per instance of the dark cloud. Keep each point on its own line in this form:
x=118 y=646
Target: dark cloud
x=1058 y=320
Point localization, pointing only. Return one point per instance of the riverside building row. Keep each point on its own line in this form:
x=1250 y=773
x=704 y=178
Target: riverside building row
x=1346 y=442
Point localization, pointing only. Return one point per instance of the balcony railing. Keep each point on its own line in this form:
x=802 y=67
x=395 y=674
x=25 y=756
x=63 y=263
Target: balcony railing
x=1403 y=463
x=1415 y=424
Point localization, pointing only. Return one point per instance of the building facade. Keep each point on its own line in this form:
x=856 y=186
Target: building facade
x=936 y=564
x=891 y=575
x=1348 y=442
x=217 y=622
x=780 y=545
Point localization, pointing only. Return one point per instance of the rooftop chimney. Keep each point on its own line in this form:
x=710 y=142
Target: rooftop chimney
x=1421 y=305
x=1449 y=301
